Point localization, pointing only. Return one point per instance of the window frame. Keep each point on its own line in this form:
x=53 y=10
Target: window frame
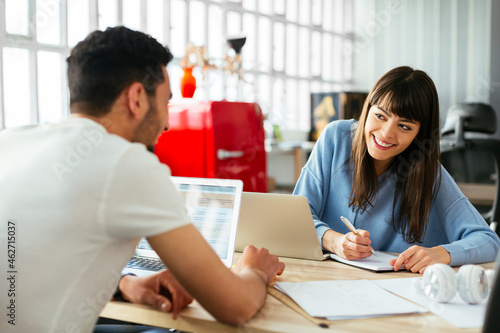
x=33 y=46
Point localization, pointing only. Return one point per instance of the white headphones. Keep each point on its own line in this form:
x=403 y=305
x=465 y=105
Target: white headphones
x=440 y=283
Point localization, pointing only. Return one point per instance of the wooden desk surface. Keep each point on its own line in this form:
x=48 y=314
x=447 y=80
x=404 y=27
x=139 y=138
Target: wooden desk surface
x=277 y=317
x=478 y=194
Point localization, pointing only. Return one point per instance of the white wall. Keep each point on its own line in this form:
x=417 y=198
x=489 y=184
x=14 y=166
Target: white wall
x=495 y=60
x=451 y=40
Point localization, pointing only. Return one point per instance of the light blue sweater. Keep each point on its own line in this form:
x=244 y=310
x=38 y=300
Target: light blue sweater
x=326 y=182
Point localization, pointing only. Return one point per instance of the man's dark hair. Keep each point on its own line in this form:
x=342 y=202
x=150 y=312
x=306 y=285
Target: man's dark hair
x=106 y=62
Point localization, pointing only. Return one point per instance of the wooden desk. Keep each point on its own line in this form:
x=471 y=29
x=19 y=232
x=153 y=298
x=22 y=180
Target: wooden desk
x=479 y=194
x=277 y=317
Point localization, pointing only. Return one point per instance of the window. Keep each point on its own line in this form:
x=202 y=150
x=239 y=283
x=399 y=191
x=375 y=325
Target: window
x=16 y=69
x=293 y=47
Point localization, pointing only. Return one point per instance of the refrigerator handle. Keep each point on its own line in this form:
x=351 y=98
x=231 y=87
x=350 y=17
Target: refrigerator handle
x=223 y=154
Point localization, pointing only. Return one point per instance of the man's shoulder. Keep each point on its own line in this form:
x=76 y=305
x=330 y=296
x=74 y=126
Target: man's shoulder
x=85 y=134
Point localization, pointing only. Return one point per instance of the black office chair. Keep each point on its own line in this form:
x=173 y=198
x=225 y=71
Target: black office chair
x=470 y=154
x=492 y=319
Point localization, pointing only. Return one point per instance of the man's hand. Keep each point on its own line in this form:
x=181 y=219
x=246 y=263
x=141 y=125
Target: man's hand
x=418 y=258
x=160 y=290
x=267 y=265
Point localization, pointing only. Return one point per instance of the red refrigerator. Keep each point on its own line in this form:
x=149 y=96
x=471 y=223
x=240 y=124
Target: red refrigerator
x=216 y=140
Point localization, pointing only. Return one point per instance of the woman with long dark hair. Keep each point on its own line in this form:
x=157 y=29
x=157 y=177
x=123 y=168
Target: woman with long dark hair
x=384 y=174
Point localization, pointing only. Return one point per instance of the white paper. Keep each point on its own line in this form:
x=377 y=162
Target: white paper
x=378 y=262
x=456 y=312
x=346 y=299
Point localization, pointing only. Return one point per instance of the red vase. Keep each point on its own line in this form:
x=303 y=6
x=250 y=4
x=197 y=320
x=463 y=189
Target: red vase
x=188 y=83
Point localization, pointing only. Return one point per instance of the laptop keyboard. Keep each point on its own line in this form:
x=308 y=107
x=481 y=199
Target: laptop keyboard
x=146 y=264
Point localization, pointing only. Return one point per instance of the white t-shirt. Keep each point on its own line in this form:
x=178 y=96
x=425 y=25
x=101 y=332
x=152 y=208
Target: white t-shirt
x=74 y=202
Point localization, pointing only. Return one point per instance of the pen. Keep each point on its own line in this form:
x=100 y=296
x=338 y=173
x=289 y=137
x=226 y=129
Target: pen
x=352 y=228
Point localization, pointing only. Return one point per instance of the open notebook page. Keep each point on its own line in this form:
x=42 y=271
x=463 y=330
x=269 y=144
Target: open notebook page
x=378 y=262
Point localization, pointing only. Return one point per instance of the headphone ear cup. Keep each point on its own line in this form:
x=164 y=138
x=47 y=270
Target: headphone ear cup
x=440 y=283
x=472 y=284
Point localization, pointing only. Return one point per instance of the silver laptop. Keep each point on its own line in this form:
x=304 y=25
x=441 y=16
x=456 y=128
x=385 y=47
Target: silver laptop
x=213 y=206
x=282 y=223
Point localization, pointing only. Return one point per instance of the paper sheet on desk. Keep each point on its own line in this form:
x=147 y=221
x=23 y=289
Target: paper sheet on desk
x=456 y=312
x=378 y=262
x=336 y=300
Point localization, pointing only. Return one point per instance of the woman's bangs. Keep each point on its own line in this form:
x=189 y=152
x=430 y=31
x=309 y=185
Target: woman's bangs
x=399 y=100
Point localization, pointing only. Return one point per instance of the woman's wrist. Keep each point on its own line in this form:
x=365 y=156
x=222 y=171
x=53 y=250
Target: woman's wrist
x=444 y=255
x=329 y=240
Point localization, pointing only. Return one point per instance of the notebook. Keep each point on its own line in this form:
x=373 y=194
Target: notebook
x=377 y=263
x=213 y=206
x=282 y=223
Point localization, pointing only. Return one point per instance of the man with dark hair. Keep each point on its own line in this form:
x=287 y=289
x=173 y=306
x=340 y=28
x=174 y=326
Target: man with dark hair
x=78 y=195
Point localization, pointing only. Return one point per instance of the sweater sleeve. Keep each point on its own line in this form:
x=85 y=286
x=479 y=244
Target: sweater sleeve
x=310 y=186
x=471 y=239
x=315 y=178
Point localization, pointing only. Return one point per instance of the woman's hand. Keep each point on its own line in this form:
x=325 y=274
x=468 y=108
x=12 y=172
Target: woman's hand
x=418 y=258
x=348 y=246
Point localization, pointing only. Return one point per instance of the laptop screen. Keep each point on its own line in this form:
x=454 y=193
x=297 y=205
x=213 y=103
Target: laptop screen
x=213 y=206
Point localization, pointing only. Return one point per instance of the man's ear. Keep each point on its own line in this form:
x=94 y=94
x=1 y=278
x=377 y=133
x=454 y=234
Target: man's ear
x=138 y=102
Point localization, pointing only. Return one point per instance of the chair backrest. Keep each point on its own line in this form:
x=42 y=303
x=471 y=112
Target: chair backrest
x=476 y=117
x=460 y=155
